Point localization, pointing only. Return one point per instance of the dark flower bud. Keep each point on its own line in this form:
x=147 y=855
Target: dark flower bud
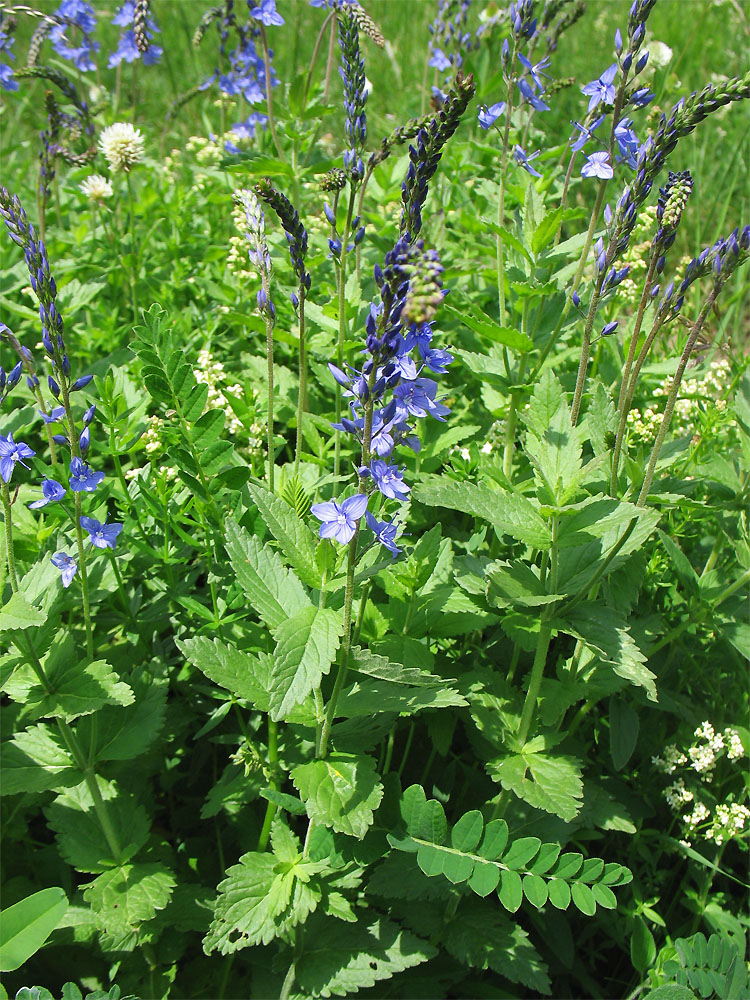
x=363 y=472
x=359 y=235
x=59 y=439
x=576 y=299
x=81 y=383
x=54 y=388
x=84 y=440
x=295 y=299
x=32 y=382
x=89 y=415
x=627 y=62
x=641 y=64
x=329 y=214
x=610 y=328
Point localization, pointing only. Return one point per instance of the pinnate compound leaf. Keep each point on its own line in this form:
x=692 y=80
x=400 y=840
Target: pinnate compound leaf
x=341 y=959
x=259 y=899
x=274 y=591
x=520 y=852
x=306 y=648
x=35 y=760
x=508 y=513
x=467 y=832
x=297 y=541
x=80 y=839
x=559 y=893
x=126 y=897
x=550 y=783
x=27 y=925
x=604 y=631
x=341 y=792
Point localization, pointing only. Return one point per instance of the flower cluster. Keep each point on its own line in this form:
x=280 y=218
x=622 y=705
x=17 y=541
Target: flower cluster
x=7 y=79
x=449 y=37
x=296 y=234
x=699 y=768
x=74 y=14
x=390 y=391
x=82 y=478
x=352 y=72
x=122 y=146
x=211 y=372
x=136 y=41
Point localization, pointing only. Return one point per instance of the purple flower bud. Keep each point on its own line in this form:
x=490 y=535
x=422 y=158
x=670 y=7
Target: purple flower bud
x=81 y=383
x=329 y=214
x=655 y=291
x=641 y=64
x=261 y=298
x=84 y=440
x=54 y=388
x=295 y=299
x=627 y=62
x=610 y=328
x=59 y=439
x=618 y=41
x=32 y=382
x=359 y=235
x=576 y=299
x=608 y=214
x=89 y=415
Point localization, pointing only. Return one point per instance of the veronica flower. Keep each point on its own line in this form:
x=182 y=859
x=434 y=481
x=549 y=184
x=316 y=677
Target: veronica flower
x=52 y=492
x=521 y=158
x=82 y=477
x=7 y=80
x=102 y=535
x=11 y=452
x=587 y=132
x=267 y=14
x=340 y=522
x=530 y=97
x=601 y=91
x=440 y=60
x=488 y=116
x=598 y=165
x=81 y=15
x=67 y=565
x=54 y=415
x=384 y=531
x=535 y=71
x=389 y=480
x=627 y=141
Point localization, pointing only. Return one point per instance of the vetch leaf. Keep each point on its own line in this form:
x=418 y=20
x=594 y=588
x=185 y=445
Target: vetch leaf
x=521 y=851
x=510 y=892
x=583 y=897
x=306 y=648
x=535 y=890
x=467 y=832
x=341 y=792
x=26 y=925
x=559 y=893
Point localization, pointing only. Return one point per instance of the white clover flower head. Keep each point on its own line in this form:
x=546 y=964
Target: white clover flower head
x=96 y=187
x=122 y=145
x=660 y=54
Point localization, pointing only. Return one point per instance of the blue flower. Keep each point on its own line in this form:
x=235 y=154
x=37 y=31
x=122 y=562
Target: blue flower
x=587 y=132
x=82 y=477
x=418 y=399
x=598 y=165
x=601 y=91
x=102 y=535
x=11 y=452
x=52 y=492
x=267 y=14
x=440 y=60
x=340 y=522
x=535 y=71
x=80 y=14
x=488 y=116
x=530 y=97
x=7 y=80
x=127 y=49
x=384 y=531
x=521 y=158
x=54 y=415
x=67 y=565
x=389 y=480
x=627 y=141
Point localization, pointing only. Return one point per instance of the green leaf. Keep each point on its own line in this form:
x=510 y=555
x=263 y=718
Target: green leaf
x=383 y=669
x=284 y=801
x=509 y=238
x=623 y=731
x=295 y=538
x=604 y=896
x=306 y=647
x=551 y=783
x=123 y=733
x=125 y=898
x=508 y=513
x=604 y=631
x=535 y=890
x=495 y=840
x=507 y=335
x=670 y=991
x=583 y=897
x=18 y=613
x=79 y=687
x=510 y=892
x=260 y=899
x=546 y=230
x=370 y=697
x=80 y=838
x=484 y=879
x=520 y=852
x=515 y=583
x=553 y=444
x=34 y=761
x=341 y=959
x=206 y=431
x=467 y=832
x=341 y=792
x=26 y=925
x=247 y=676
x=559 y=893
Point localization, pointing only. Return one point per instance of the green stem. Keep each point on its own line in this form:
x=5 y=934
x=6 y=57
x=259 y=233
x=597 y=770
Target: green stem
x=269 y=398
x=273 y=782
x=10 y=554
x=269 y=101
x=537 y=671
x=302 y=377
x=343 y=326
x=314 y=57
x=501 y=199
x=672 y=397
x=325 y=734
x=286 y=989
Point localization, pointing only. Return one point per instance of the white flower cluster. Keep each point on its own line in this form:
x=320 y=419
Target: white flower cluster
x=211 y=372
x=237 y=260
x=699 y=762
x=695 y=397
x=122 y=145
x=96 y=187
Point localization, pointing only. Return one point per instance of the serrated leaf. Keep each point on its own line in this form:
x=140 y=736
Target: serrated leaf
x=79 y=687
x=604 y=630
x=341 y=959
x=80 y=838
x=553 y=444
x=247 y=676
x=554 y=784
x=384 y=669
x=341 y=792
x=295 y=538
x=508 y=513
x=485 y=327
x=305 y=650
x=515 y=583
x=125 y=898
x=258 y=900
x=19 y=613
x=26 y=925
x=34 y=761
x=371 y=697
x=123 y=733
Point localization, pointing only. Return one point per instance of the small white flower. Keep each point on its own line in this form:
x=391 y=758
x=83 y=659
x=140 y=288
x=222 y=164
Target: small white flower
x=465 y=454
x=487 y=448
x=122 y=145
x=735 y=748
x=660 y=55
x=96 y=187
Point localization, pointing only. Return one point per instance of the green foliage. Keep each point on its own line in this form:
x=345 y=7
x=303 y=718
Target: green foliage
x=27 y=925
